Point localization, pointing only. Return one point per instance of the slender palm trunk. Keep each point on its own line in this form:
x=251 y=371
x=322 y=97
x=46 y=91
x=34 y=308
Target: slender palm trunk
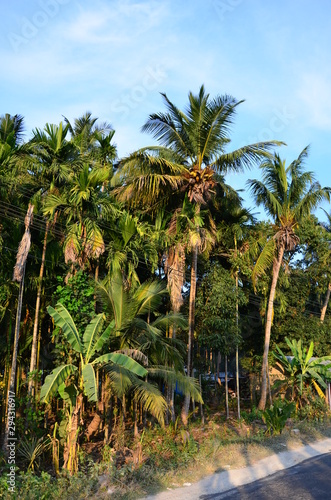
x=275 y=274
x=193 y=288
x=226 y=387
x=192 y=309
x=326 y=302
x=11 y=386
x=237 y=349
x=34 y=346
x=172 y=389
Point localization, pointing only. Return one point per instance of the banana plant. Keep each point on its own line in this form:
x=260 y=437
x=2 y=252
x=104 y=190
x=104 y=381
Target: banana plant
x=73 y=381
x=301 y=370
x=87 y=346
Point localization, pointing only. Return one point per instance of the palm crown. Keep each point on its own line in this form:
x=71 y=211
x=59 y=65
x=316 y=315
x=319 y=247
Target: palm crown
x=192 y=149
x=288 y=194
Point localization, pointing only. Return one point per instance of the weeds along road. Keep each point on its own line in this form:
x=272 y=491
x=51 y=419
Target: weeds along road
x=301 y=473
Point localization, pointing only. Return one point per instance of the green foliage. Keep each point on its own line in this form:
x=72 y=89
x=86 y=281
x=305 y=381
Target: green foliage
x=276 y=416
x=301 y=370
x=316 y=410
x=77 y=298
x=44 y=487
x=303 y=293
x=86 y=346
x=30 y=449
x=216 y=309
x=32 y=423
x=251 y=416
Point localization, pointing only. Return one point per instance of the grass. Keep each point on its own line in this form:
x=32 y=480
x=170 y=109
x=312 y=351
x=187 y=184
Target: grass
x=216 y=447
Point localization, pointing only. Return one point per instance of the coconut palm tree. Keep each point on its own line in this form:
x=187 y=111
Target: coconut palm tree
x=288 y=195
x=192 y=153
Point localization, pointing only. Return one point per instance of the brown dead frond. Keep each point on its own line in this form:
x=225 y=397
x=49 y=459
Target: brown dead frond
x=24 y=247
x=175 y=270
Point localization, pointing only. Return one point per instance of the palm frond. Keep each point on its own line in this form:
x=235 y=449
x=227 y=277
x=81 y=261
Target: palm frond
x=151 y=399
x=265 y=259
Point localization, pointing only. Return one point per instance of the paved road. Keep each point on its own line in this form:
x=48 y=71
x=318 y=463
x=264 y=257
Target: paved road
x=310 y=480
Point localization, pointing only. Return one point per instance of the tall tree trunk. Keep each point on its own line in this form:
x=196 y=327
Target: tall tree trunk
x=264 y=382
x=18 y=275
x=201 y=407
x=326 y=301
x=237 y=349
x=11 y=386
x=237 y=382
x=31 y=386
x=193 y=288
x=226 y=387
x=172 y=389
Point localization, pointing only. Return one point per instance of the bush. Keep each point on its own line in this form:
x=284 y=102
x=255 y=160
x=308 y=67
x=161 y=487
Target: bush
x=276 y=416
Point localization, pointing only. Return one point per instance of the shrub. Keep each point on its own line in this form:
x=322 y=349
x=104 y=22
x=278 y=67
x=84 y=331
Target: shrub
x=276 y=416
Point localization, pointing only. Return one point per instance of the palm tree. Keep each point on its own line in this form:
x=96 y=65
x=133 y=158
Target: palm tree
x=18 y=275
x=192 y=153
x=53 y=157
x=139 y=328
x=82 y=202
x=131 y=240
x=86 y=134
x=11 y=150
x=288 y=195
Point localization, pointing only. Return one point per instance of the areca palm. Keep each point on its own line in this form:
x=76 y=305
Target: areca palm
x=53 y=158
x=288 y=194
x=131 y=240
x=86 y=134
x=11 y=150
x=192 y=153
x=82 y=203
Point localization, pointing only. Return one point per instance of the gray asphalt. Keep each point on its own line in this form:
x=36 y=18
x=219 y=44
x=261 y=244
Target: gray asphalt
x=309 y=480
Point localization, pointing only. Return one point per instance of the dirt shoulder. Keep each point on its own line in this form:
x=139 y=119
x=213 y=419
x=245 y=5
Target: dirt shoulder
x=255 y=468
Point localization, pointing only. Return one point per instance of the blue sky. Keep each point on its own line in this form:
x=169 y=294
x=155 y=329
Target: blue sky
x=113 y=58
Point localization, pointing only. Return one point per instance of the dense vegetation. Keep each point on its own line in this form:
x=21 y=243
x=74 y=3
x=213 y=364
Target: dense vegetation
x=127 y=285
